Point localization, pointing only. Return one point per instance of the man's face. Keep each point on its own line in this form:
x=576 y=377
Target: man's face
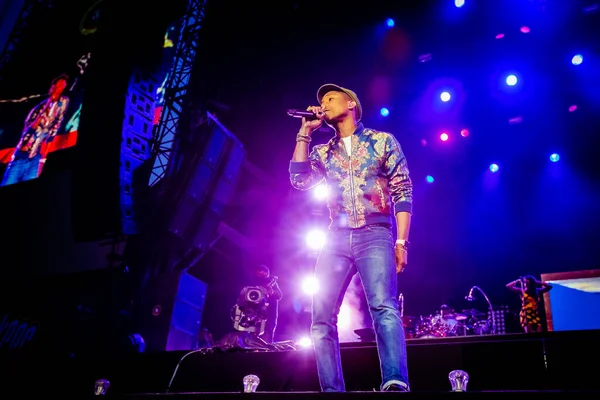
x=336 y=105
x=261 y=273
x=58 y=87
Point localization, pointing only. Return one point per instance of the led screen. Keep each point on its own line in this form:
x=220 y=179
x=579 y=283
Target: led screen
x=43 y=88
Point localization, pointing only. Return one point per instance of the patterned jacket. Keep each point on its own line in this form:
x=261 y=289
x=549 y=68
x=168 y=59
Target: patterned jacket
x=364 y=187
x=41 y=126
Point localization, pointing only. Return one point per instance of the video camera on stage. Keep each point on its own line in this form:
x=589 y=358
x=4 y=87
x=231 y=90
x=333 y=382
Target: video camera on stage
x=250 y=312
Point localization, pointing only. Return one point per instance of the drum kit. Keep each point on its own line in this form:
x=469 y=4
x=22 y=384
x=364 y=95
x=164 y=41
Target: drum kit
x=447 y=323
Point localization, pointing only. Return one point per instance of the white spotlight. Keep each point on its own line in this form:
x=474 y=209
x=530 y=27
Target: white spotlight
x=315 y=239
x=310 y=285
x=321 y=191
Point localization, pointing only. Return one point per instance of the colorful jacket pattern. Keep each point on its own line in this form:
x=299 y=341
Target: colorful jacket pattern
x=368 y=187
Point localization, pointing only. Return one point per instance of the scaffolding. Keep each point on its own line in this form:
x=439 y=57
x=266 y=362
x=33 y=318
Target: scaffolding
x=176 y=89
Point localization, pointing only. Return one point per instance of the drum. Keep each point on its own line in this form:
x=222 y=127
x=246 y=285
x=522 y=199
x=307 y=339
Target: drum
x=481 y=328
x=425 y=329
x=448 y=326
x=410 y=326
x=428 y=336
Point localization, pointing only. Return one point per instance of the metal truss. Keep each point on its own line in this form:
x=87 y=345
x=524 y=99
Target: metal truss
x=12 y=43
x=176 y=88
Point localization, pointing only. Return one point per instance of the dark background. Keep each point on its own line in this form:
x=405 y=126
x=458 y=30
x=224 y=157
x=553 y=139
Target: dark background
x=257 y=59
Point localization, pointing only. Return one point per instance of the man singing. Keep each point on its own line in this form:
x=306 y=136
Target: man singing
x=369 y=187
x=41 y=126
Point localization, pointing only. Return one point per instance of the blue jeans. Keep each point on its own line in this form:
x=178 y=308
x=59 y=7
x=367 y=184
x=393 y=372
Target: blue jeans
x=370 y=252
x=21 y=169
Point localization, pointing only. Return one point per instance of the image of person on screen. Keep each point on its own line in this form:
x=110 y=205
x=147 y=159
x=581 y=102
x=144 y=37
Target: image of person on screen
x=40 y=127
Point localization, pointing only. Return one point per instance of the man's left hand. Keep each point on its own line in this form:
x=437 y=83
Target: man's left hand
x=401 y=257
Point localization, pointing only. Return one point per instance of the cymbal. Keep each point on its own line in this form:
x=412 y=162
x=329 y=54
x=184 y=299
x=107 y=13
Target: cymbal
x=473 y=313
x=456 y=316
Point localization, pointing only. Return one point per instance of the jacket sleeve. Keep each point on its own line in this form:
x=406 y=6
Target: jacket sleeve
x=400 y=183
x=305 y=175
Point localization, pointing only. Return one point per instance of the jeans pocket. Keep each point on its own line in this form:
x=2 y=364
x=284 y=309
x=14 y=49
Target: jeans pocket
x=380 y=229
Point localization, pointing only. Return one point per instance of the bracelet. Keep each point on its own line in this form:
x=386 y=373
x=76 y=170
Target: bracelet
x=303 y=138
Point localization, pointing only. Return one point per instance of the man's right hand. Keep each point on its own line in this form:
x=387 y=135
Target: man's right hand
x=308 y=127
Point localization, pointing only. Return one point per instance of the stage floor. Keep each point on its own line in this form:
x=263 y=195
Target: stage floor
x=548 y=364
x=365 y=395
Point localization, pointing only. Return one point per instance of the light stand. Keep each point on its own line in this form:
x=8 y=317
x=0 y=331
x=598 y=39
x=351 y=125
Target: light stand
x=493 y=316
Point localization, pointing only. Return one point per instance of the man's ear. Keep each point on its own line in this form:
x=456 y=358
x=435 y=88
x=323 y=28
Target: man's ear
x=351 y=104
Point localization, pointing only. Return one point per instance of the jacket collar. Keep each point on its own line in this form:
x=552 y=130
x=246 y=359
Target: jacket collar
x=360 y=129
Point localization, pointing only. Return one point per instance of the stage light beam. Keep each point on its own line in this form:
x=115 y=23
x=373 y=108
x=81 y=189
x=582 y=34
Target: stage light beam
x=444 y=137
x=304 y=342
x=445 y=96
x=315 y=239
x=384 y=111
x=554 y=157
x=511 y=80
x=310 y=285
x=494 y=168
x=429 y=179
x=344 y=317
x=321 y=191
x=577 y=59
x=390 y=23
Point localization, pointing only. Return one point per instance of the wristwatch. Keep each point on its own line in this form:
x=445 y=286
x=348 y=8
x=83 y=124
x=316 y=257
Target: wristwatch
x=403 y=243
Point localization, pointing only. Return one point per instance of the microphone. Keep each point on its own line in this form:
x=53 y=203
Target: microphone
x=309 y=115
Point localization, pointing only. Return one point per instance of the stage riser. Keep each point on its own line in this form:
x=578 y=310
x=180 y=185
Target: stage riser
x=511 y=365
x=362 y=396
x=528 y=362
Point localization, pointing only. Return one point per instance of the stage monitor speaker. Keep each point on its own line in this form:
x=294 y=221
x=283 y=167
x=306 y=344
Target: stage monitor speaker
x=172 y=312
